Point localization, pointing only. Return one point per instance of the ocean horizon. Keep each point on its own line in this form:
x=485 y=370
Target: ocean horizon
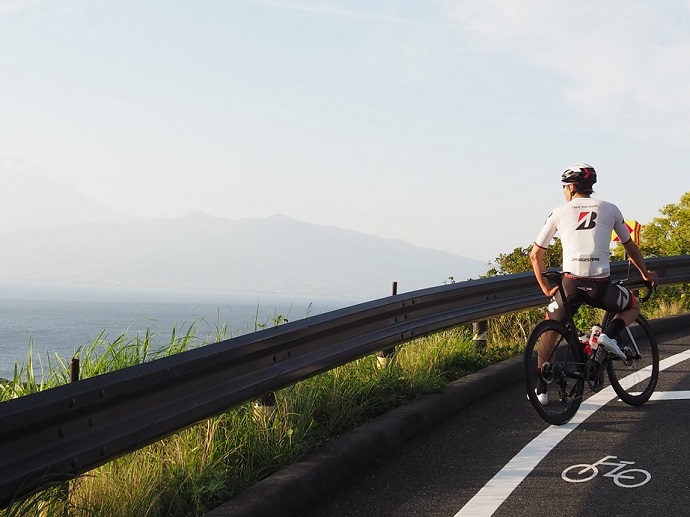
x=57 y=319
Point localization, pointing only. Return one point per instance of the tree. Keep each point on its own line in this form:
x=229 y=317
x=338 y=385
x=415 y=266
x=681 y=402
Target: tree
x=517 y=261
x=669 y=235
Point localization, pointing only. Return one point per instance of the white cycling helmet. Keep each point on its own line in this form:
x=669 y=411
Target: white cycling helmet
x=580 y=174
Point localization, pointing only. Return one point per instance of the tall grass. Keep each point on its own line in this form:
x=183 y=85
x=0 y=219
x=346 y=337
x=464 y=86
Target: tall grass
x=198 y=468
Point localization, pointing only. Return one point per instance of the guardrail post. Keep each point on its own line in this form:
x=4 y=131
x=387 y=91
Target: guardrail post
x=74 y=370
x=480 y=329
x=64 y=492
x=383 y=357
x=264 y=409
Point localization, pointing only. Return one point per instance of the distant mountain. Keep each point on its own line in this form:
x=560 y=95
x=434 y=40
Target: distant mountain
x=30 y=200
x=277 y=254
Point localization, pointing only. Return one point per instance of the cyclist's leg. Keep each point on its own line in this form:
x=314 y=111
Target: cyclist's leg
x=614 y=299
x=555 y=389
x=622 y=302
x=557 y=312
x=621 y=320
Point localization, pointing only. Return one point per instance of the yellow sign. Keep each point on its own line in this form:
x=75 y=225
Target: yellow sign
x=634 y=227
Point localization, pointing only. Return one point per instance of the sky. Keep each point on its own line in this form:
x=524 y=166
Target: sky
x=442 y=123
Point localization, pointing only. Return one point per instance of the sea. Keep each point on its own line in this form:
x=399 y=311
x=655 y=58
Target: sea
x=50 y=320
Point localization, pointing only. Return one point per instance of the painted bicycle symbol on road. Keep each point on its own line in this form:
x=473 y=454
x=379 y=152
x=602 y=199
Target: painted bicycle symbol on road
x=627 y=478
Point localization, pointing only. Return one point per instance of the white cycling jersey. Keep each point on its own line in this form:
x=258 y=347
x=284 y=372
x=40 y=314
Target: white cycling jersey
x=584 y=226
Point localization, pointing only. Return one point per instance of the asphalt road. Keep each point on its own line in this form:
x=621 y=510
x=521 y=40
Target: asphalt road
x=492 y=455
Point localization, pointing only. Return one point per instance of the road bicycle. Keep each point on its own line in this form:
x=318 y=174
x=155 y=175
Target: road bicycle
x=559 y=361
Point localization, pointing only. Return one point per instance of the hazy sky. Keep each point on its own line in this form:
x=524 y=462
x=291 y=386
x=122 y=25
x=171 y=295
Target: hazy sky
x=442 y=123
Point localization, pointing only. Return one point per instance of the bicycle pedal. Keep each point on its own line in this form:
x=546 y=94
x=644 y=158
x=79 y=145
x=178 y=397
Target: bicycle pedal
x=630 y=354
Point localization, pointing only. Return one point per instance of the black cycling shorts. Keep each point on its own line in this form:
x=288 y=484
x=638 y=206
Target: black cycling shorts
x=597 y=292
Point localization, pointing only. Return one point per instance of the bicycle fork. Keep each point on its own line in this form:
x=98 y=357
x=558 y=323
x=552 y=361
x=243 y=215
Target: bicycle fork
x=633 y=354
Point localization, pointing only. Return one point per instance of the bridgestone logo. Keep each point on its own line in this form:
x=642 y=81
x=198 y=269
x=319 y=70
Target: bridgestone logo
x=586 y=220
x=585 y=259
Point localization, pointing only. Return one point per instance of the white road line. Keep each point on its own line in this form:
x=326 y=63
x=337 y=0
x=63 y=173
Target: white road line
x=498 y=489
x=670 y=395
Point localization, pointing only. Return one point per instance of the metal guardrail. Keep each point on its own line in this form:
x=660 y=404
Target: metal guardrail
x=55 y=435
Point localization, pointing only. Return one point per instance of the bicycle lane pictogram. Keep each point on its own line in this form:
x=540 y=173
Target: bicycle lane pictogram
x=633 y=436
x=622 y=474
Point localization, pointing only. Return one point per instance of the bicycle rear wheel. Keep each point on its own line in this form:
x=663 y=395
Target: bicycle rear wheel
x=634 y=380
x=554 y=364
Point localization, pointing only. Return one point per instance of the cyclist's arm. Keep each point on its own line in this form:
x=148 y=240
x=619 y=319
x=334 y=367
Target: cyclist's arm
x=536 y=257
x=637 y=259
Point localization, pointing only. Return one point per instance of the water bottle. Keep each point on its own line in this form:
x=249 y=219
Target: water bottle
x=594 y=337
x=584 y=340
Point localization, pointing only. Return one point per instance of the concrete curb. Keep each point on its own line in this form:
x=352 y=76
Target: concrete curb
x=299 y=484
x=670 y=324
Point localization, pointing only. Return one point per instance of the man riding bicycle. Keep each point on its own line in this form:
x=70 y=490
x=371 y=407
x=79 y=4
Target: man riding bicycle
x=585 y=226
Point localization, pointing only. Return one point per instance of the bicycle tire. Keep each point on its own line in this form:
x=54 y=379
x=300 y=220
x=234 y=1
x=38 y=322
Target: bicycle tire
x=635 y=380
x=562 y=375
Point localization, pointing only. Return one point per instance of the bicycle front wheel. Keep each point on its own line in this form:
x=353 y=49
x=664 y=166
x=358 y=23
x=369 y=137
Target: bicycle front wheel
x=634 y=380
x=554 y=366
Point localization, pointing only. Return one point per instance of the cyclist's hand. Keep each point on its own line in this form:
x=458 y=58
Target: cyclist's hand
x=551 y=292
x=652 y=277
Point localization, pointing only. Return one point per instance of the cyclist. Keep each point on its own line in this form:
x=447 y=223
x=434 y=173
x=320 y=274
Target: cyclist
x=585 y=226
